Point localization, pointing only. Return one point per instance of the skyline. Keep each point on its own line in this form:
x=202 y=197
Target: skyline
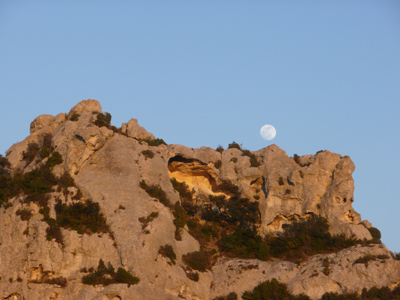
x=207 y=74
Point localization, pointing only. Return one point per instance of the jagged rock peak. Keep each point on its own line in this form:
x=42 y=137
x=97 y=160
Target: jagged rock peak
x=89 y=105
x=162 y=205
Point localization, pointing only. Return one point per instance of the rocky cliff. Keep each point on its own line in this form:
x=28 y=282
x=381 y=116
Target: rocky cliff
x=90 y=211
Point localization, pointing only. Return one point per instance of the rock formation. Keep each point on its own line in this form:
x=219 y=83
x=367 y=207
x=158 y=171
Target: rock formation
x=112 y=167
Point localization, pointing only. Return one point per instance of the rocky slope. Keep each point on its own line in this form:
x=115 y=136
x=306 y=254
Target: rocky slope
x=113 y=167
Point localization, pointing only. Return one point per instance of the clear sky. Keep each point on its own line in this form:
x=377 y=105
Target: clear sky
x=326 y=74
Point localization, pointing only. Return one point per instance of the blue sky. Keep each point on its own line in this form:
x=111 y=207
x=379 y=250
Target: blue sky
x=206 y=73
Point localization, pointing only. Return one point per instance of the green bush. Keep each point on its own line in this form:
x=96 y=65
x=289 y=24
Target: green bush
x=156 y=142
x=74 y=117
x=296 y=159
x=180 y=215
x=148 y=219
x=148 y=153
x=367 y=258
x=303 y=238
x=183 y=189
x=4 y=163
x=229 y=188
x=375 y=233
x=272 y=290
x=54 y=159
x=53 y=231
x=156 y=192
x=243 y=243
x=31 y=152
x=168 y=251
x=236 y=211
x=220 y=149
x=196 y=260
x=218 y=164
x=253 y=159
x=234 y=145
x=81 y=217
x=383 y=293
x=103 y=120
x=124 y=276
x=230 y=296
x=106 y=276
x=25 y=214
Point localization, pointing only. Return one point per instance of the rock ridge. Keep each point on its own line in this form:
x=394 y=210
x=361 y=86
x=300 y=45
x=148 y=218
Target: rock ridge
x=116 y=169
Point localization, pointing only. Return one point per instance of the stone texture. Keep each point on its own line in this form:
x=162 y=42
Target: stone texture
x=134 y=130
x=107 y=167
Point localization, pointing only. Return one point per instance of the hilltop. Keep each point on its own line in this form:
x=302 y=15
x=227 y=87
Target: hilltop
x=92 y=211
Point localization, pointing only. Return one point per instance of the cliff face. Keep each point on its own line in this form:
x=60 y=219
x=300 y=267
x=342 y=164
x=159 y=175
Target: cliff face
x=115 y=168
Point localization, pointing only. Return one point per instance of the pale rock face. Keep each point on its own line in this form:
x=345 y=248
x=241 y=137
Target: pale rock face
x=107 y=167
x=40 y=122
x=134 y=130
x=85 y=106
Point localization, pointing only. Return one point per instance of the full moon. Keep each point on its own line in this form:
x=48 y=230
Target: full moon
x=268 y=132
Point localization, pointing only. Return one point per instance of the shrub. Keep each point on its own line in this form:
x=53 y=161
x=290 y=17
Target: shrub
x=53 y=231
x=25 y=214
x=148 y=153
x=230 y=188
x=168 y=251
x=124 y=276
x=4 y=163
x=74 y=117
x=375 y=233
x=61 y=281
x=243 y=242
x=263 y=252
x=272 y=290
x=81 y=217
x=194 y=276
x=156 y=192
x=307 y=237
x=183 y=189
x=54 y=159
x=148 y=219
x=367 y=258
x=180 y=215
x=103 y=120
x=253 y=159
x=218 y=164
x=106 y=276
x=326 y=264
x=220 y=149
x=234 y=145
x=230 y=296
x=31 y=152
x=156 y=142
x=196 y=260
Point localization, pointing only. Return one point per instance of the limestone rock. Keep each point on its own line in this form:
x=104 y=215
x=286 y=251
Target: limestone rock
x=134 y=130
x=108 y=168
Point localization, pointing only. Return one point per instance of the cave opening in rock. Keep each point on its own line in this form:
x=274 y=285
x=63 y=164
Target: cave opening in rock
x=200 y=178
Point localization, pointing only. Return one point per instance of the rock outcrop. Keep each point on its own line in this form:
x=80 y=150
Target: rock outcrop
x=109 y=167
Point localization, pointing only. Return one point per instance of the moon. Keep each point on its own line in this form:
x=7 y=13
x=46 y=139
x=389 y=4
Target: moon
x=268 y=132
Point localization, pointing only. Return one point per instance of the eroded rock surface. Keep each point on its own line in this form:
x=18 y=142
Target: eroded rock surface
x=108 y=167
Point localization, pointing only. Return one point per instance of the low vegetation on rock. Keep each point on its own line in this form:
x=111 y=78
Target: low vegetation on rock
x=228 y=226
x=272 y=290
x=156 y=192
x=83 y=217
x=368 y=258
x=374 y=293
x=107 y=275
x=168 y=252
